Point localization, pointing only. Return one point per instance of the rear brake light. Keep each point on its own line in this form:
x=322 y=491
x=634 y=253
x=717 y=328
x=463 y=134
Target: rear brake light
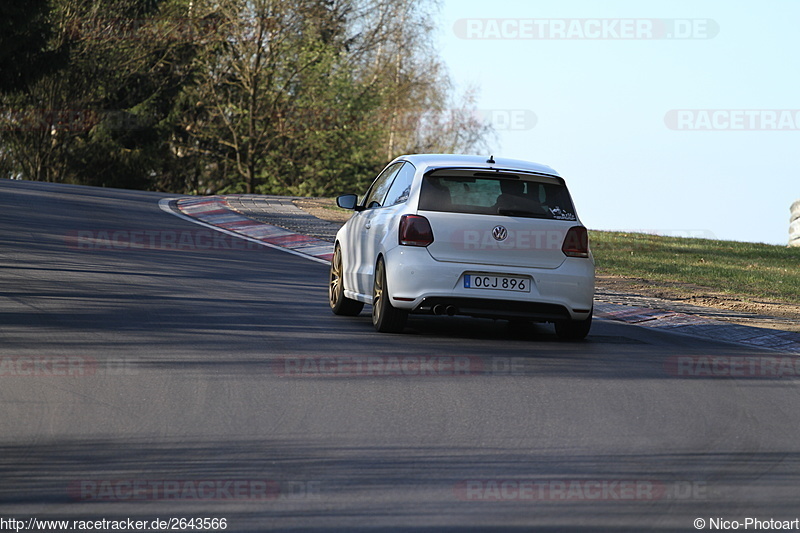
x=576 y=243
x=415 y=231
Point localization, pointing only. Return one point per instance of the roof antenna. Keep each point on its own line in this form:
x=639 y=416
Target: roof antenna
x=490 y=160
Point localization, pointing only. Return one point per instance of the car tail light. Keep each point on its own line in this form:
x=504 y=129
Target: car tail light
x=576 y=243
x=415 y=231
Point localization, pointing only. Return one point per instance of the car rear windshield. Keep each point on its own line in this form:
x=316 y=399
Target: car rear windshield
x=509 y=196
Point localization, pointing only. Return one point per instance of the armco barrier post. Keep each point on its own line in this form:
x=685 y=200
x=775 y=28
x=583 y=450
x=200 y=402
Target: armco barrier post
x=794 y=226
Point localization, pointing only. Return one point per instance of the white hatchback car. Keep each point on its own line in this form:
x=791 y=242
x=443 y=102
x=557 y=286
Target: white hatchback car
x=464 y=235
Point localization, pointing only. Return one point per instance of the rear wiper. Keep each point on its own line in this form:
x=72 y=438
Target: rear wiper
x=520 y=213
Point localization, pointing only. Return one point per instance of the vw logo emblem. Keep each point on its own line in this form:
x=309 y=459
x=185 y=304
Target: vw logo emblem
x=499 y=233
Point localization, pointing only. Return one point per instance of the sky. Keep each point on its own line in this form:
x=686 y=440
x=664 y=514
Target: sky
x=671 y=117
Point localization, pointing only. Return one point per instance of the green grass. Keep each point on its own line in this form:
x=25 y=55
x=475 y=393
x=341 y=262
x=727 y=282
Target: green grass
x=747 y=269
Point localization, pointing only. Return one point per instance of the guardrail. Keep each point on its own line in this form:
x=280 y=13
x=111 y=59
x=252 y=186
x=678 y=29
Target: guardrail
x=794 y=227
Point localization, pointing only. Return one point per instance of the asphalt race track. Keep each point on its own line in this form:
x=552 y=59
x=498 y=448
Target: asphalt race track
x=150 y=369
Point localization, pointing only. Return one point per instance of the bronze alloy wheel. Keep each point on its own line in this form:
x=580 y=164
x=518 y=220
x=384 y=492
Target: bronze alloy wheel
x=385 y=317
x=340 y=304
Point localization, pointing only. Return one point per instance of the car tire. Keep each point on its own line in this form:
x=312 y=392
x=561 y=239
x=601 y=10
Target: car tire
x=573 y=330
x=385 y=318
x=340 y=304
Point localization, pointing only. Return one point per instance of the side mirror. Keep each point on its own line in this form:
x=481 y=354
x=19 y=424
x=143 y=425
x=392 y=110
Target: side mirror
x=348 y=201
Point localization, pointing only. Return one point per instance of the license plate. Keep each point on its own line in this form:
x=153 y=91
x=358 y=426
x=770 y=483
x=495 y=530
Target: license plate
x=497 y=283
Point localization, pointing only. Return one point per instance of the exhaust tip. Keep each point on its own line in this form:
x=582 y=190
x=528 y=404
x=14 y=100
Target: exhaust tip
x=439 y=309
x=451 y=310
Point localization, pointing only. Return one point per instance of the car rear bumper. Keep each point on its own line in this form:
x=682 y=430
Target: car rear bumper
x=421 y=284
x=488 y=308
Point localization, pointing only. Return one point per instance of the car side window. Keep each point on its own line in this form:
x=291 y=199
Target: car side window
x=400 y=189
x=377 y=192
